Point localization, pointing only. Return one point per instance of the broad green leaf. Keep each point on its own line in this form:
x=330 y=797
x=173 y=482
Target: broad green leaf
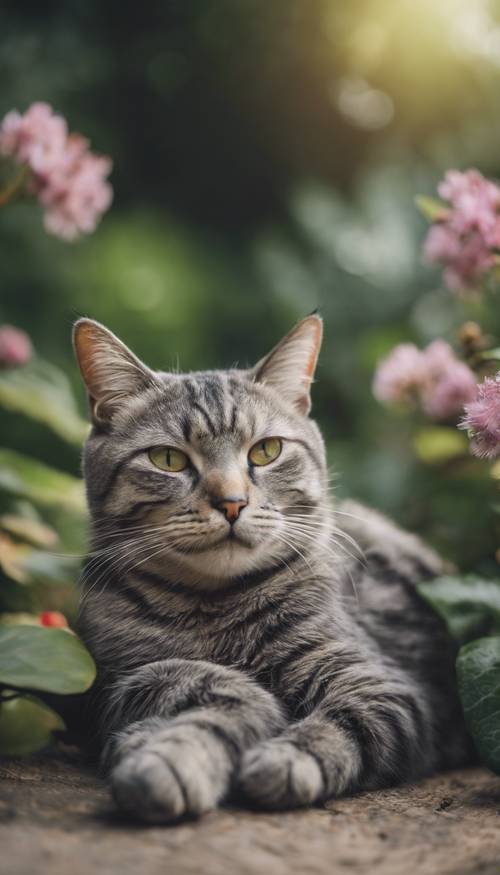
x=41 y=391
x=26 y=725
x=53 y=660
x=478 y=673
x=31 y=479
x=431 y=208
x=470 y=605
x=437 y=444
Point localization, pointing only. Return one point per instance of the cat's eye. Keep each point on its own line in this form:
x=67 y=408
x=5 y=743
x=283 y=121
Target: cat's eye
x=168 y=459
x=265 y=451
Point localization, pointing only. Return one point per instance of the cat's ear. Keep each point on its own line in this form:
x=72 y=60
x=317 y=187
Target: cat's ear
x=289 y=367
x=110 y=371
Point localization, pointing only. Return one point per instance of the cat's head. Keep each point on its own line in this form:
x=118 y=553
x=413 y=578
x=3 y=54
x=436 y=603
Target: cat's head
x=210 y=474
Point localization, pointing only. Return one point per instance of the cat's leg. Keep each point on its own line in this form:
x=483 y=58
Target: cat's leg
x=176 y=731
x=363 y=729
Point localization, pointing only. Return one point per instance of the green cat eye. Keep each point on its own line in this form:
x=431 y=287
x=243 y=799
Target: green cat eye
x=265 y=451
x=168 y=459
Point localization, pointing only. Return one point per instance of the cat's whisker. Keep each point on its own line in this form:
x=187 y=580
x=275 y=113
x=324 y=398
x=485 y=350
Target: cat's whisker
x=313 y=536
x=109 y=566
x=315 y=524
x=336 y=559
x=294 y=547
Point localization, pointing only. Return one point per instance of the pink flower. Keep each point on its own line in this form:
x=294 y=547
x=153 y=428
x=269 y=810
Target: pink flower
x=399 y=375
x=37 y=138
x=439 y=357
x=69 y=180
x=482 y=419
x=441 y=244
x=77 y=193
x=465 y=238
x=434 y=376
x=15 y=347
x=475 y=201
x=448 y=395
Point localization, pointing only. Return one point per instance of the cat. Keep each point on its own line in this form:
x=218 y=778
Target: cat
x=252 y=639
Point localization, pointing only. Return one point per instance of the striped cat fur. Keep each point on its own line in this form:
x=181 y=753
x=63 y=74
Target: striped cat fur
x=277 y=652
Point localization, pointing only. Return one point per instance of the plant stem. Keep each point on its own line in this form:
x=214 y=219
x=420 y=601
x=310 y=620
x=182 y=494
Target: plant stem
x=14 y=186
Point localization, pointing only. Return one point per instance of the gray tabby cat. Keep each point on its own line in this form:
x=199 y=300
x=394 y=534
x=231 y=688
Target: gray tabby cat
x=251 y=640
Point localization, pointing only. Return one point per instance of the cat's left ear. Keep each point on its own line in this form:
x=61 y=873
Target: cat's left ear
x=289 y=367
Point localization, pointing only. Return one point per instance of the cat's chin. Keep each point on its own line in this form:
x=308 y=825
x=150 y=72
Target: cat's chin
x=229 y=558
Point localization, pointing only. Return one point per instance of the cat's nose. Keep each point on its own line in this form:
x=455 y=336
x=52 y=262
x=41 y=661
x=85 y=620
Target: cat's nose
x=231 y=507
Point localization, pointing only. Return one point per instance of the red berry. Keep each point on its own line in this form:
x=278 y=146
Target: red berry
x=53 y=618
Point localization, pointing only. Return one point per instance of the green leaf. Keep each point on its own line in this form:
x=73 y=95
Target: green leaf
x=26 y=725
x=431 y=208
x=489 y=355
x=31 y=479
x=41 y=391
x=478 y=673
x=469 y=605
x=437 y=444
x=53 y=660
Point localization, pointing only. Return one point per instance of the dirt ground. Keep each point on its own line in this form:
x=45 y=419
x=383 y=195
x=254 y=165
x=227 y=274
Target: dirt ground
x=56 y=818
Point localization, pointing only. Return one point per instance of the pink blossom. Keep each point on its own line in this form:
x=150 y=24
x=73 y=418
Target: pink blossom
x=15 y=347
x=467 y=234
x=77 y=193
x=434 y=377
x=448 y=394
x=439 y=357
x=482 y=419
x=475 y=201
x=399 y=375
x=69 y=180
x=441 y=244
x=37 y=138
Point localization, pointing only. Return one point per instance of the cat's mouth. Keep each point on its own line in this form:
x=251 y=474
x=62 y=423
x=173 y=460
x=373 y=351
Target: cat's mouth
x=229 y=538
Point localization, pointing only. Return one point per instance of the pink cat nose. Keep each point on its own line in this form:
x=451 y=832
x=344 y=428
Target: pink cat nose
x=231 y=507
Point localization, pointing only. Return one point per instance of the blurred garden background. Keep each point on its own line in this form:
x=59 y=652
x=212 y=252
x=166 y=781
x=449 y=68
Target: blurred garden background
x=267 y=154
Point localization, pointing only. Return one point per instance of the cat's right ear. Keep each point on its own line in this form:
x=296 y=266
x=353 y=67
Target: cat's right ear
x=110 y=371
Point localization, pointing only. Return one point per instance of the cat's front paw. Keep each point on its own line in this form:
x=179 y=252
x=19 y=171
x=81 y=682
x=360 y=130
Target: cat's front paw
x=171 y=776
x=277 y=774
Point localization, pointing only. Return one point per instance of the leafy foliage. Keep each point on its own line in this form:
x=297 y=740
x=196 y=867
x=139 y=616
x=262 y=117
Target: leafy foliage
x=26 y=725
x=470 y=607
x=33 y=576
x=52 y=660
x=28 y=478
x=478 y=671
x=42 y=392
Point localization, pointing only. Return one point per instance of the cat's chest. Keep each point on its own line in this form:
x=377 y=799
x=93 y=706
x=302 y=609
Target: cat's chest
x=249 y=636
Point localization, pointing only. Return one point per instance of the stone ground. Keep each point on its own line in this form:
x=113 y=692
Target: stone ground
x=56 y=818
